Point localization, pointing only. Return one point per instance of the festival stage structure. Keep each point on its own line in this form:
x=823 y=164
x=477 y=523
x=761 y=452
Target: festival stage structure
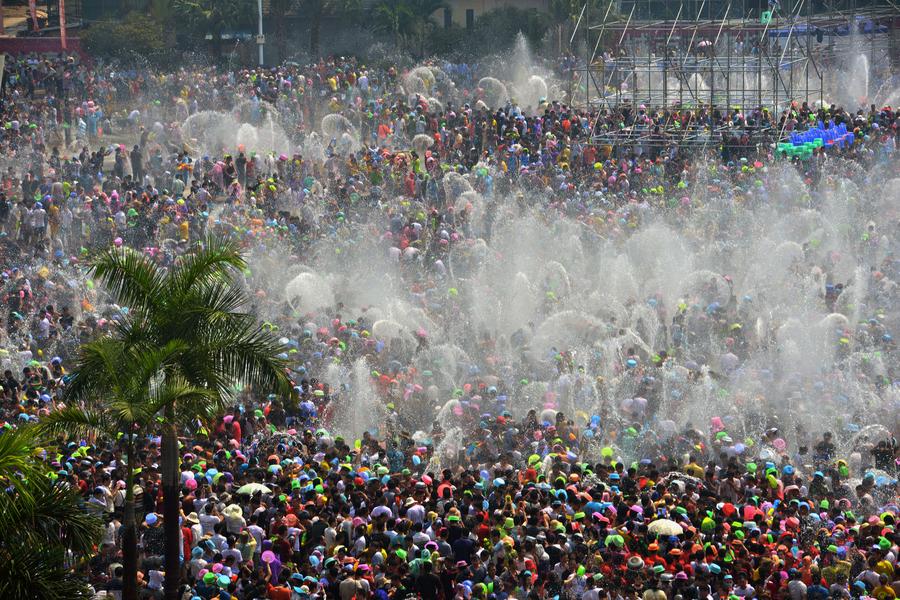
x=731 y=53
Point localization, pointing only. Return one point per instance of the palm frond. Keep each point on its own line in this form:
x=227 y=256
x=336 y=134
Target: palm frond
x=141 y=331
x=16 y=448
x=190 y=402
x=42 y=526
x=59 y=514
x=36 y=537
x=246 y=353
x=39 y=572
x=217 y=257
x=130 y=277
x=75 y=421
x=145 y=364
x=97 y=370
x=214 y=300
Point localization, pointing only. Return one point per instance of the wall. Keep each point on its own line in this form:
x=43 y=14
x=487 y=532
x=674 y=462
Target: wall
x=480 y=7
x=39 y=45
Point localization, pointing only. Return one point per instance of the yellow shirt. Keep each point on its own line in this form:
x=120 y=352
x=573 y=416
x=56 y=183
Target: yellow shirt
x=884 y=592
x=694 y=470
x=884 y=567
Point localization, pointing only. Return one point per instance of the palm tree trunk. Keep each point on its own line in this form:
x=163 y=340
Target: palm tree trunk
x=315 y=28
x=422 y=33
x=171 y=502
x=280 y=42
x=129 y=536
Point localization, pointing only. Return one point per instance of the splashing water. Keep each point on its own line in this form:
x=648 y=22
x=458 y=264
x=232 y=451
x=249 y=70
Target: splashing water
x=538 y=289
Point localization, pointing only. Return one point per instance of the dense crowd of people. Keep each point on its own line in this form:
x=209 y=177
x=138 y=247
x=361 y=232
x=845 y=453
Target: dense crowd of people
x=584 y=493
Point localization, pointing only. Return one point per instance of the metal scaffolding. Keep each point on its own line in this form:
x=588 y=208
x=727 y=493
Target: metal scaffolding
x=710 y=53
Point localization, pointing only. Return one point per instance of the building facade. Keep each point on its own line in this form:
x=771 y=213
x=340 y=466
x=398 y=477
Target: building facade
x=463 y=13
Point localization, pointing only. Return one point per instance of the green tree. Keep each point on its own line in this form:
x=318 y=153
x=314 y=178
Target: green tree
x=43 y=527
x=393 y=18
x=565 y=13
x=125 y=392
x=496 y=30
x=198 y=306
x=277 y=11
x=423 y=20
x=313 y=11
x=137 y=38
x=214 y=17
x=162 y=11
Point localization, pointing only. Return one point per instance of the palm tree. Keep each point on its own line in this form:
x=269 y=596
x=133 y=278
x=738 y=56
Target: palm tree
x=423 y=12
x=394 y=18
x=197 y=306
x=314 y=10
x=43 y=527
x=565 y=14
x=278 y=9
x=133 y=392
x=161 y=10
x=214 y=17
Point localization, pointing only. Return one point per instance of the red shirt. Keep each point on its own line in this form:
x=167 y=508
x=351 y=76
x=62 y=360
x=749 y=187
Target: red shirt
x=279 y=593
x=188 y=540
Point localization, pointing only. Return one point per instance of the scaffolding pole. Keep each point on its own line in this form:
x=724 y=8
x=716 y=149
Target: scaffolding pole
x=693 y=66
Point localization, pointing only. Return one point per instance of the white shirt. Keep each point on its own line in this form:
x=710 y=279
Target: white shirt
x=197 y=565
x=196 y=534
x=219 y=542
x=235 y=524
x=37 y=217
x=109 y=533
x=257 y=532
x=238 y=557
x=44 y=333
x=797 y=589
x=208 y=523
x=156 y=580
x=416 y=513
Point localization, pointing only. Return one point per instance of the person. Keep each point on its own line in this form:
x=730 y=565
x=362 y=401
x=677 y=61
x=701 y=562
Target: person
x=209 y=519
x=884 y=590
x=427 y=584
x=152 y=540
x=824 y=450
x=115 y=585
x=355 y=587
x=796 y=586
x=137 y=164
x=559 y=432
x=37 y=223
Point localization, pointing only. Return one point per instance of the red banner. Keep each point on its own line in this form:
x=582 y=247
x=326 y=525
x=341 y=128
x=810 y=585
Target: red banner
x=62 y=23
x=32 y=6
